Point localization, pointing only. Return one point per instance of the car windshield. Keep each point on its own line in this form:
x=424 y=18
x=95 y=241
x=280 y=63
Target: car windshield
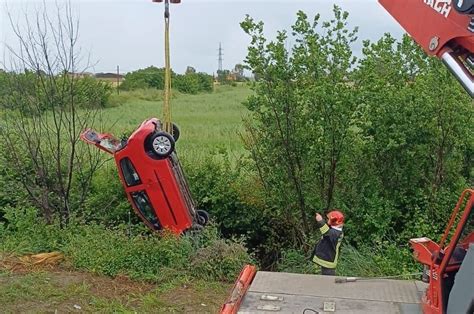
x=142 y=202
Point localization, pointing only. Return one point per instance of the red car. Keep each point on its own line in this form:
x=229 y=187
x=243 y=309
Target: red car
x=152 y=176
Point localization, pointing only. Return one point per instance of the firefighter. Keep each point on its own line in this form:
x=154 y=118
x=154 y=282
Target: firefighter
x=326 y=251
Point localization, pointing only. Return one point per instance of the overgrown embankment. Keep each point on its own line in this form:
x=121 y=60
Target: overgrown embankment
x=322 y=129
x=158 y=258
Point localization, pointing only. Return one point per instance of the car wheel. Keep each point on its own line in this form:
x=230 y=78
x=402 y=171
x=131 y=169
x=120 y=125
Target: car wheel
x=162 y=144
x=203 y=217
x=176 y=132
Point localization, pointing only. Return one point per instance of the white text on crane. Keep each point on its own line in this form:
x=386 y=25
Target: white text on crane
x=441 y=6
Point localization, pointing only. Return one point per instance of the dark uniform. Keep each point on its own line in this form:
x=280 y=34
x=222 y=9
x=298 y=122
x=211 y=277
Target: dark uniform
x=326 y=251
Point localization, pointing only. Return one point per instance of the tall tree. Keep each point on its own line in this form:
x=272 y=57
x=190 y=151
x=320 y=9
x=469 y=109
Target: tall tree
x=48 y=106
x=302 y=113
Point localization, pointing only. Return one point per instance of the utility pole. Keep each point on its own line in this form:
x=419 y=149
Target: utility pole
x=214 y=82
x=219 y=69
x=118 y=79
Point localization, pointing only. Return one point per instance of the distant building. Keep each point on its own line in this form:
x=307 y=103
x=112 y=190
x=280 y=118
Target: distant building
x=79 y=75
x=111 y=78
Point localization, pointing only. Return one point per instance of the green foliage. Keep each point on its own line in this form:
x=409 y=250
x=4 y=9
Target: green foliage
x=17 y=86
x=412 y=144
x=217 y=258
x=23 y=231
x=139 y=257
x=25 y=92
x=152 y=77
x=302 y=116
x=93 y=93
x=221 y=260
x=193 y=83
x=372 y=137
x=380 y=260
x=11 y=191
x=111 y=252
x=295 y=261
x=222 y=189
x=107 y=203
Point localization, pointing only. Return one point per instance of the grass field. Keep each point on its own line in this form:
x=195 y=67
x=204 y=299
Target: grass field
x=208 y=122
x=63 y=291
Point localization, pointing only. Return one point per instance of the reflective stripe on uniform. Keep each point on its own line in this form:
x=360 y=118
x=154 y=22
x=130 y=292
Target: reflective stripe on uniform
x=324 y=229
x=328 y=264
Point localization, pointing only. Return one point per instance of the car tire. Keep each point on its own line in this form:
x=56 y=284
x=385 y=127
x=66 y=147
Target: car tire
x=176 y=132
x=161 y=144
x=202 y=217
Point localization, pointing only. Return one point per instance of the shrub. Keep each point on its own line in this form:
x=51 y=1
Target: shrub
x=107 y=203
x=231 y=196
x=24 y=232
x=153 y=78
x=157 y=257
x=92 y=93
x=376 y=261
x=295 y=261
x=193 y=83
x=111 y=252
x=221 y=259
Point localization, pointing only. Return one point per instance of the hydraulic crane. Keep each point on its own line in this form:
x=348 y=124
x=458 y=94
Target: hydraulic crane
x=443 y=28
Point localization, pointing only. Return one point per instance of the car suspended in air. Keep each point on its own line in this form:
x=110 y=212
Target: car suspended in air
x=152 y=176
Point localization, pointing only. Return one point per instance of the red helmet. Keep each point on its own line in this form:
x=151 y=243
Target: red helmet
x=335 y=218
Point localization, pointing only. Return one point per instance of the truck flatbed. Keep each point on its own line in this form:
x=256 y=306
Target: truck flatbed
x=297 y=293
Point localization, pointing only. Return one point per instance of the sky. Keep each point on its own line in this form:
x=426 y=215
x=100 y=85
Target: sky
x=129 y=33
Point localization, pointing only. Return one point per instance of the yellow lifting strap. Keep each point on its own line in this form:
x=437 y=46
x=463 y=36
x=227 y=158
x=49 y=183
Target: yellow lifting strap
x=167 y=126
x=167 y=87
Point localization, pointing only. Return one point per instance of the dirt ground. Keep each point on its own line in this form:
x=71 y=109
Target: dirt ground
x=26 y=288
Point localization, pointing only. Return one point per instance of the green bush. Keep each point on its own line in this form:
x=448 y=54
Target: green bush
x=115 y=251
x=217 y=258
x=233 y=199
x=295 y=261
x=88 y=91
x=92 y=93
x=368 y=136
x=153 y=78
x=376 y=261
x=107 y=203
x=193 y=83
x=23 y=232
x=111 y=253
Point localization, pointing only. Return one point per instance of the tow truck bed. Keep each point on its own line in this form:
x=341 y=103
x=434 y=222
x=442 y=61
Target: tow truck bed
x=296 y=292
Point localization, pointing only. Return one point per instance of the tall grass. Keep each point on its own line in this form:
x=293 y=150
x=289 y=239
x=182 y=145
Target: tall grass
x=156 y=257
x=362 y=262
x=208 y=122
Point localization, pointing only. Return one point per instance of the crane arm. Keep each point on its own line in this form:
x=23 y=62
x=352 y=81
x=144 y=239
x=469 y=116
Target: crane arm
x=443 y=28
